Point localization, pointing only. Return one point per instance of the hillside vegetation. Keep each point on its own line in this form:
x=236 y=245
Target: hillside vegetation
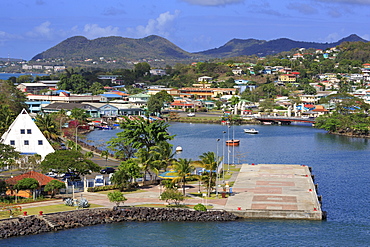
x=156 y=48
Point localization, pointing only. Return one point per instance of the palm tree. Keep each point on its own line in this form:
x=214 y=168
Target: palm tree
x=47 y=126
x=73 y=145
x=105 y=154
x=145 y=160
x=164 y=155
x=209 y=162
x=183 y=168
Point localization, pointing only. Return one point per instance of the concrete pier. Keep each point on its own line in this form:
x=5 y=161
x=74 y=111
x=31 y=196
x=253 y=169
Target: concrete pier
x=275 y=191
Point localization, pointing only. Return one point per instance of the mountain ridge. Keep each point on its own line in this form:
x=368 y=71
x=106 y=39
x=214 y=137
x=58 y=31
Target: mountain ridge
x=153 y=46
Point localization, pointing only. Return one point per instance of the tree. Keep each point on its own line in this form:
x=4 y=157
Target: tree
x=210 y=163
x=34 y=161
x=163 y=155
x=105 y=154
x=63 y=161
x=53 y=186
x=7 y=116
x=3 y=186
x=27 y=184
x=172 y=195
x=97 y=88
x=125 y=175
x=117 y=197
x=145 y=160
x=7 y=155
x=157 y=101
x=183 y=169
x=47 y=126
x=79 y=114
x=141 y=133
x=141 y=69
x=308 y=89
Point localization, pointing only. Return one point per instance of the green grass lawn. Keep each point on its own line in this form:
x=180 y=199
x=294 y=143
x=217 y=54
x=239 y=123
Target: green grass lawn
x=45 y=210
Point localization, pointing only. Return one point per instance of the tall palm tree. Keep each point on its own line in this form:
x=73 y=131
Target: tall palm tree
x=145 y=160
x=163 y=155
x=183 y=168
x=47 y=126
x=209 y=162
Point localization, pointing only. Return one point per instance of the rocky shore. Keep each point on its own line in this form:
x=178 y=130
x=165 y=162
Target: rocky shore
x=29 y=225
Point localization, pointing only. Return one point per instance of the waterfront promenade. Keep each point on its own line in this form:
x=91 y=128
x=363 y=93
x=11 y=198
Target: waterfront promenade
x=272 y=191
x=268 y=191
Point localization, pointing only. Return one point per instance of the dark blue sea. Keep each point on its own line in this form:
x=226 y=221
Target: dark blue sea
x=341 y=166
x=6 y=76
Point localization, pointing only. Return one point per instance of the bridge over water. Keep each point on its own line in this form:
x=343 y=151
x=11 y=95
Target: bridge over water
x=284 y=120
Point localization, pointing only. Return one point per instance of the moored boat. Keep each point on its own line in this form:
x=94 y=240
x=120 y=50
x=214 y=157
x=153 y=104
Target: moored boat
x=232 y=142
x=251 y=131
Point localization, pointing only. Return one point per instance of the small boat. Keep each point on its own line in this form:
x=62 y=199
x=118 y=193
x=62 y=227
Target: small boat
x=178 y=149
x=251 y=131
x=104 y=127
x=232 y=142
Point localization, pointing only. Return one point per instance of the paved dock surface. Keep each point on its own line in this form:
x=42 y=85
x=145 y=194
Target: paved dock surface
x=275 y=192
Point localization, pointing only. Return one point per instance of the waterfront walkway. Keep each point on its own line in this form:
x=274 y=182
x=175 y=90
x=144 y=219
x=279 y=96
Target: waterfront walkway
x=275 y=192
x=260 y=191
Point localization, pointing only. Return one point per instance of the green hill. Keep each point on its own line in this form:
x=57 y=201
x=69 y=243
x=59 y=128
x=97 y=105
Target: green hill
x=80 y=48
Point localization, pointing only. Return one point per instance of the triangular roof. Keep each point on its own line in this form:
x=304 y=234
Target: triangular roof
x=24 y=135
x=41 y=178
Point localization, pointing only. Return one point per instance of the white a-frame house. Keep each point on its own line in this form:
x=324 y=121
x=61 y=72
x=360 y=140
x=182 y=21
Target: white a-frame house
x=24 y=135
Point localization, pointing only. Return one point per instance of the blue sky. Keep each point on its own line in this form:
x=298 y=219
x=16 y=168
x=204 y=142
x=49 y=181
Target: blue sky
x=28 y=27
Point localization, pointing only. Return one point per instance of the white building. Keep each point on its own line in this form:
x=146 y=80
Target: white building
x=24 y=135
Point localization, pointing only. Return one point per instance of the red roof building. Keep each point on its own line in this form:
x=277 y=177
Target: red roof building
x=41 y=178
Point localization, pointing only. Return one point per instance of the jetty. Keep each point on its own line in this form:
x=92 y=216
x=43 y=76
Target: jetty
x=275 y=191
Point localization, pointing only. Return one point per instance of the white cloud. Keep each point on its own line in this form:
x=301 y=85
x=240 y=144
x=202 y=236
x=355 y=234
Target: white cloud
x=333 y=37
x=213 y=2
x=92 y=31
x=162 y=26
x=42 y=31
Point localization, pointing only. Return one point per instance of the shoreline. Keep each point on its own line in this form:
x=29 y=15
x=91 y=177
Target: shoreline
x=36 y=224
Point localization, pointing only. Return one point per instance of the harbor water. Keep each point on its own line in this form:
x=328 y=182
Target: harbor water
x=340 y=165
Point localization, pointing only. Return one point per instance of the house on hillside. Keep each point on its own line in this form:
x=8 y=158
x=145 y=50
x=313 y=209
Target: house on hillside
x=41 y=178
x=287 y=78
x=24 y=135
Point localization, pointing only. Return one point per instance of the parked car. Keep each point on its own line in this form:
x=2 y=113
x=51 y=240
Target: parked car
x=99 y=180
x=71 y=176
x=51 y=174
x=107 y=170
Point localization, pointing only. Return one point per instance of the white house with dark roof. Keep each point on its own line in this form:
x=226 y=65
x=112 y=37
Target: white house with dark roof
x=24 y=135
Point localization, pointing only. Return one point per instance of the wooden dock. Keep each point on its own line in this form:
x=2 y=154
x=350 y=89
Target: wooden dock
x=275 y=191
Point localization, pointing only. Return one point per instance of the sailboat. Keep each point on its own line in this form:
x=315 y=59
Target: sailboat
x=232 y=142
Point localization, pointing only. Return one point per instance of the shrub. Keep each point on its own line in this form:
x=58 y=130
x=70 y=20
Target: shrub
x=171 y=195
x=200 y=207
x=103 y=188
x=116 y=197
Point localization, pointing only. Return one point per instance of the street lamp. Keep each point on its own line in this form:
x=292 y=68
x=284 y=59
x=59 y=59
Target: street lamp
x=218 y=139
x=223 y=155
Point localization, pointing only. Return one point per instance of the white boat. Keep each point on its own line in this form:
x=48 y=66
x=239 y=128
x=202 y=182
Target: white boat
x=251 y=131
x=178 y=149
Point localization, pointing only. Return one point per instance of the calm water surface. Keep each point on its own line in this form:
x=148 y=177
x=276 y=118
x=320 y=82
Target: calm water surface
x=340 y=166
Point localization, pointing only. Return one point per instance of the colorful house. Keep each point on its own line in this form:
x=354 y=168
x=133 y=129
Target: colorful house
x=41 y=178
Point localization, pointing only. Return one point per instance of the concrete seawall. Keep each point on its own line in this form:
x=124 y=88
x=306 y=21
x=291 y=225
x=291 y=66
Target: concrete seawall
x=271 y=191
